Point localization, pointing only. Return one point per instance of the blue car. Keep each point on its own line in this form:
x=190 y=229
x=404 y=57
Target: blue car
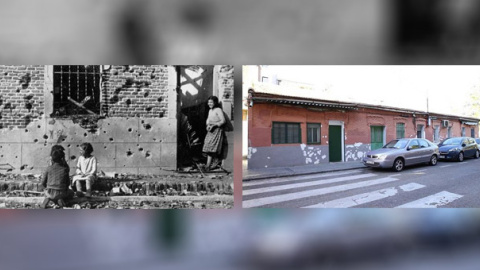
x=457 y=148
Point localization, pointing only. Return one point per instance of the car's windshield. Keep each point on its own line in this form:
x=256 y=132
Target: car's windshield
x=477 y=140
x=452 y=141
x=397 y=144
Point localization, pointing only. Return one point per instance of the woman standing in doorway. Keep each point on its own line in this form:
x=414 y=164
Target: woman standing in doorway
x=215 y=145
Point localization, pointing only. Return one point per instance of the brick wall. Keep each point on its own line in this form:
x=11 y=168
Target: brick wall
x=133 y=90
x=225 y=86
x=357 y=123
x=21 y=95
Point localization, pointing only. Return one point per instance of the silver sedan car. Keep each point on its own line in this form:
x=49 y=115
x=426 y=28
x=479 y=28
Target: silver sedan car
x=402 y=152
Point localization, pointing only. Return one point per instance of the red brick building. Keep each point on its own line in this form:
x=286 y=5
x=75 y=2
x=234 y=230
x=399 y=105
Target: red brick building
x=131 y=114
x=290 y=131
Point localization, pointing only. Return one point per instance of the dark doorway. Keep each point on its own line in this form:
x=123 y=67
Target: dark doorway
x=335 y=143
x=194 y=86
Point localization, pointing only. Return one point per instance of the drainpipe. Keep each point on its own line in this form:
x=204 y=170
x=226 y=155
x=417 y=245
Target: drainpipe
x=414 y=120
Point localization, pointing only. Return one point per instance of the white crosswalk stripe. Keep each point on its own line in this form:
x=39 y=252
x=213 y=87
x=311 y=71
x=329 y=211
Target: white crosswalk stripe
x=295 y=178
x=365 y=197
x=315 y=192
x=433 y=201
x=357 y=199
x=306 y=191
x=306 y=184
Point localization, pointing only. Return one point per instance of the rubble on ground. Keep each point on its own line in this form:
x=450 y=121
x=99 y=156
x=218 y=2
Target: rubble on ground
x=113 y=185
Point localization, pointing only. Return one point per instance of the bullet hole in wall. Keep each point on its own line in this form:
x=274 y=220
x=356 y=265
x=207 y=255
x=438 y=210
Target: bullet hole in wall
x=26 y=130
x=148 y=109
x=128 y=102
x=114 y=99
x=111 y=139
x=45 y=136
x=129 y=153
x=147 y=126
x=39 y=126
x=159 y=99
x=23 y=167
x=85 y=134
x=146 y=94
x=147 y=154
x=73 y=157
x=140 y=149
x=36 y=140
x=130 y=130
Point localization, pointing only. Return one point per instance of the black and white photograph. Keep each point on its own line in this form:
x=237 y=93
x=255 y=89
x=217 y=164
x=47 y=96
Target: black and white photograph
x=116 y=136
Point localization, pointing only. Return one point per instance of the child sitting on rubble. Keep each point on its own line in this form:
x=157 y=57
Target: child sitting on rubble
x=58 y=147
x=56 y=181
x=86 y=170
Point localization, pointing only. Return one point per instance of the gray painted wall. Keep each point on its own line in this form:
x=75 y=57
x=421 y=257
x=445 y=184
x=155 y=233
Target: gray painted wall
x=283 y=156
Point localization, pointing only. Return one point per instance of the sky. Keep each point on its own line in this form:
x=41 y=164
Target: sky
x=446 y=87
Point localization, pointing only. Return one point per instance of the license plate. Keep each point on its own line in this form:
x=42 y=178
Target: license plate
x=442 y=156
x=369 y=162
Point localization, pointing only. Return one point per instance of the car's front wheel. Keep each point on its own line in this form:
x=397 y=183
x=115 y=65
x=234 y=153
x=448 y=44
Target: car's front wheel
x=477 y=154
x=433 y=160
x=460 y=157
x=398 y=164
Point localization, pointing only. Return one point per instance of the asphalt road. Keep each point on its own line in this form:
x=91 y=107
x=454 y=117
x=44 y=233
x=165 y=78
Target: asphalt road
x=446 y=185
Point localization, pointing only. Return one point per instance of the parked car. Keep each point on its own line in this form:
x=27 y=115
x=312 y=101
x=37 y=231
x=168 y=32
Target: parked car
x=457 y=148
x=477 y=140
x=402 y=152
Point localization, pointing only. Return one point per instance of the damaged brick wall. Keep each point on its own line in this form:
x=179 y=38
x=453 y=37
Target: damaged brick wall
x=21 y=95
x=225 y=85
x=135 y=133
x=135 y=91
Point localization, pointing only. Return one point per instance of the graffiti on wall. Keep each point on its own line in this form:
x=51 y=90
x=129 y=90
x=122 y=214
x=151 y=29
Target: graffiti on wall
x=355 y=152
x=312 y=154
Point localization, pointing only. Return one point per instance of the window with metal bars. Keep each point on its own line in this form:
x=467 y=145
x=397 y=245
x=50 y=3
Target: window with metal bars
x=400 y=130
x=76 y=89
x=286 y=133
x=313 y=133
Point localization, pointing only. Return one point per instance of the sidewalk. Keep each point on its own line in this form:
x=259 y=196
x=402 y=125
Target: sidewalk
x=256 y=174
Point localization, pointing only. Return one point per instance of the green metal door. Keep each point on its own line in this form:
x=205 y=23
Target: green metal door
x=377 y=137
x=335 y=143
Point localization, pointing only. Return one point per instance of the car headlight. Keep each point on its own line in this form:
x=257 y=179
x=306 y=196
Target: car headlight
x=454 y=150
x=382 y=157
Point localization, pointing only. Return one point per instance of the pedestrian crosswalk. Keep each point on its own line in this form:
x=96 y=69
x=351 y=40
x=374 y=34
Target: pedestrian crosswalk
x=319 y=191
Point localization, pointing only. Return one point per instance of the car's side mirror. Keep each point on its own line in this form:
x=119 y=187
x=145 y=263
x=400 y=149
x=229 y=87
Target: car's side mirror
x=409 y=148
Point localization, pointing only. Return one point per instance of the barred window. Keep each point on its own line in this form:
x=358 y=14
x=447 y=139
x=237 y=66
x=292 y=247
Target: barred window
x=313 y=133
x=400 y=130
x=76 y=89
x=286 y=132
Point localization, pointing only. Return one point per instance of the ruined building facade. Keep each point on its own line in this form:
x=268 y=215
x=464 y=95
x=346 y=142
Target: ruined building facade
x=131 y=114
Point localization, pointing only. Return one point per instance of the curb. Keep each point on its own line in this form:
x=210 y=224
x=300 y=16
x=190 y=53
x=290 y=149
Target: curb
x=205 y=198
x=142 y=187
x=266 y=176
